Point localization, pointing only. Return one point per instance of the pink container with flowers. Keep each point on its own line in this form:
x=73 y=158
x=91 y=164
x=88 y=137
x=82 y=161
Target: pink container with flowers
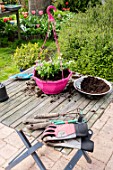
x=52 y=87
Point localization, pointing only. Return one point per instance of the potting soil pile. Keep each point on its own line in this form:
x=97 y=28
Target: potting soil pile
x=94 y=85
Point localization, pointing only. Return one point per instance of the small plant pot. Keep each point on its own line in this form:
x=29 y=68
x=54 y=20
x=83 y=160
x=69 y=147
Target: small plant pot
x=52 y=87
x=3 y=93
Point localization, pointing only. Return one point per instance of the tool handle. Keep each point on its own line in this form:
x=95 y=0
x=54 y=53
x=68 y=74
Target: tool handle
x=34 y=121
x=49 y=115
x=38 y=126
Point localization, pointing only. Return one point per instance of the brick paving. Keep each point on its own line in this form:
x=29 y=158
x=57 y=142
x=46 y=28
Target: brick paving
x=102 y=157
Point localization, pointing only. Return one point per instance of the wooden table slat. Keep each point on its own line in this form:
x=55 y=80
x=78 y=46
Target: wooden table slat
x=13 y=94
x=14 y=101
x=30 y=114
x=12 y=107
x=16 y=109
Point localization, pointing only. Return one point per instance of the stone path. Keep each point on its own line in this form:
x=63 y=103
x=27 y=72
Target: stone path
x=102 y=157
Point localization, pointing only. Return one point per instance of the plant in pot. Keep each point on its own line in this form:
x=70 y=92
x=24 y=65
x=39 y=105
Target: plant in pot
x=52 y=76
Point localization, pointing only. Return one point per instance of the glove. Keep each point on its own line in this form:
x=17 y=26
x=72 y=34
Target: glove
x=83 y=143
x=78 y=143
x=65 y=131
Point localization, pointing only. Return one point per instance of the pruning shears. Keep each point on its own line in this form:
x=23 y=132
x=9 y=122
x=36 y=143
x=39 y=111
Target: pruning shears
x=60 y=122
x=79 y=120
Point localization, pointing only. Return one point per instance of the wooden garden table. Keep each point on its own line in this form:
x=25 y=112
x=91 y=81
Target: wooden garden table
x=7 y=13
x=19 y=106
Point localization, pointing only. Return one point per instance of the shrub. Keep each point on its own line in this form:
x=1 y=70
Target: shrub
x=25 y=56
x=7 y=30
x=75 y=6
x=88 y=39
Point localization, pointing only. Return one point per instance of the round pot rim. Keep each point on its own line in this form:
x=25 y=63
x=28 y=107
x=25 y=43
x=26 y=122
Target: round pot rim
x=78 y=86
x=56 y=81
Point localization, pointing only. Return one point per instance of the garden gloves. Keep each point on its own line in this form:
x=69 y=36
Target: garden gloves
x=65 y=131
x=69 y=135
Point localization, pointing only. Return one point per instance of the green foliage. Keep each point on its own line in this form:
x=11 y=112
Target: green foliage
x=75 y=6
x=35 y=25
x=7 y=31
x=48 y=69
x=25 y=56
x=10 y=30
x=9 y=1
x=2 y=25
x=49 y=63
x=7 y=66
x=4 y=42
x=88 y=39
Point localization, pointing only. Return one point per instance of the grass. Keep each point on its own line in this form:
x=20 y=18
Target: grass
x=7 y=67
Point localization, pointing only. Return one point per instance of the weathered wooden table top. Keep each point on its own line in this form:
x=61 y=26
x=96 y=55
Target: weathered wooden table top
x=20 y=106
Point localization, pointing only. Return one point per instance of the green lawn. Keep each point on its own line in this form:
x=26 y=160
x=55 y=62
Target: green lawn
x=7 y=66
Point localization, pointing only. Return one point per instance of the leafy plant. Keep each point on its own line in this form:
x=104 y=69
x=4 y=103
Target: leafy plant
x=2 y=25
x=10 y=31
x=75 y=6
x=25 y=56
x=88 y=39
x=10 y=1
x=35 y=25
x=48 y=70
x=7 y=30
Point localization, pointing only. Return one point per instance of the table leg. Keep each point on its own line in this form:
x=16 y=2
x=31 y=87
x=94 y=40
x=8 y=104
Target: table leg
x=30 y=151
x=76 y=158
x=78 y=155
x=18 y=23
x=88 y=159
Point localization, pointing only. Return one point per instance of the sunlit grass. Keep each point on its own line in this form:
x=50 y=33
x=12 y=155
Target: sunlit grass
x=7 y=66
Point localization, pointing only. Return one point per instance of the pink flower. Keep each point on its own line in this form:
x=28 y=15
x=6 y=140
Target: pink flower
x=37 y=25
x=26 y=13
x=67 y=3
x=33 y=12
x=40 y=12
x=23 y=13
x=64 y=9
x=25 y=16
x=68 y=9
x=5 y=19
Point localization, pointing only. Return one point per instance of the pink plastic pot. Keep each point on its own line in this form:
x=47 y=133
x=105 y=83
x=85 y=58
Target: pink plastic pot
x=52 y=87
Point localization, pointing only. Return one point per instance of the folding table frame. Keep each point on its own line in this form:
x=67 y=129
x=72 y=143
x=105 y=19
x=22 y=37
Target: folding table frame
x=31 y=150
